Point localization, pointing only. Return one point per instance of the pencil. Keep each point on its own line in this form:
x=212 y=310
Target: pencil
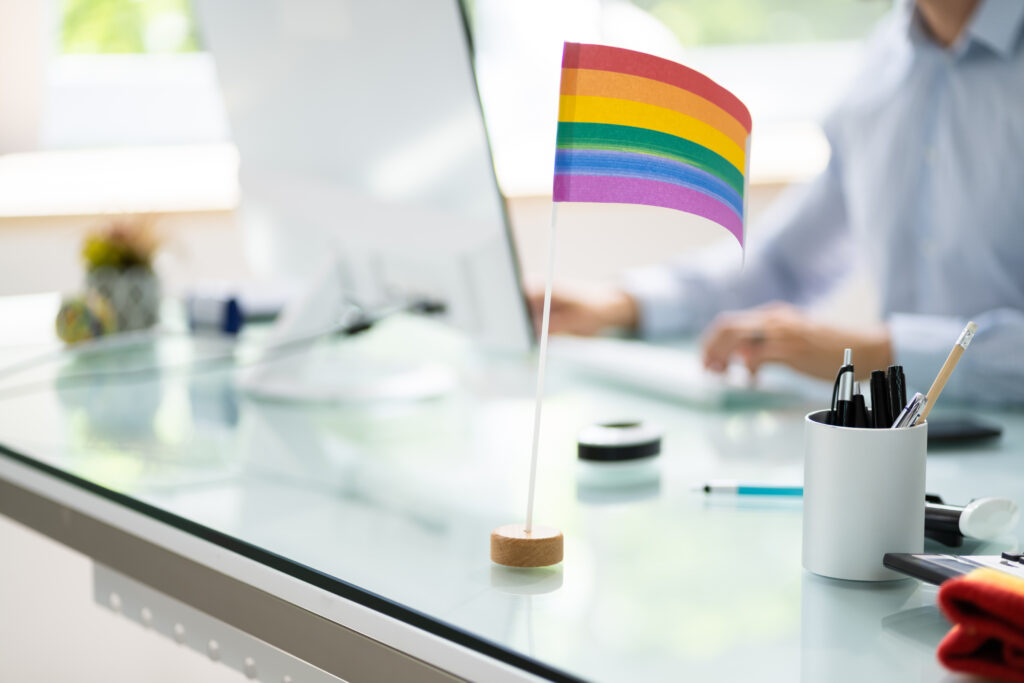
x=947 y=368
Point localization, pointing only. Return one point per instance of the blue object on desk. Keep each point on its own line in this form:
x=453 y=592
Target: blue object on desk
x=214 y=312
x=752 y=489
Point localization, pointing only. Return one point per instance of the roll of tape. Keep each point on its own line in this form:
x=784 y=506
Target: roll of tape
x=618 y=441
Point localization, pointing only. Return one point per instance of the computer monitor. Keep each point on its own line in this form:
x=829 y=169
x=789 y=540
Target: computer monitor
x=362 y=142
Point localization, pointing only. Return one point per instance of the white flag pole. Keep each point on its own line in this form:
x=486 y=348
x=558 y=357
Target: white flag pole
x=526 y=545
x=541 y=367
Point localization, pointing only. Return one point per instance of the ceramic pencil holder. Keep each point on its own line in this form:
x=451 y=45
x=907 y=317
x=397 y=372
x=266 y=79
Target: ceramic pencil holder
x=863 y=497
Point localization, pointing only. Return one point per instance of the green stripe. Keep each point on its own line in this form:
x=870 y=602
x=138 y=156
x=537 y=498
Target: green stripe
x=615 y=138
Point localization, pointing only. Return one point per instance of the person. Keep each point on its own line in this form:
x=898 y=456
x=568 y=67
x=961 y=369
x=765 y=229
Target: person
x=925 y=183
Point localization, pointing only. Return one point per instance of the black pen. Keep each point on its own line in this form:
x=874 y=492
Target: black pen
x=892 y=384
x=832 y=418
x=860 y=409
x=880 y=412
x=844 y=396
x=901 y=385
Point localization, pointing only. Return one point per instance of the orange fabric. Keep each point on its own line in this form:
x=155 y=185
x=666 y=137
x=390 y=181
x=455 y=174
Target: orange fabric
x=594 y=83
x=987 y=638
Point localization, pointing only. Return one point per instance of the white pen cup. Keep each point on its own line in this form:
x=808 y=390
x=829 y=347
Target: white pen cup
x=863 y=497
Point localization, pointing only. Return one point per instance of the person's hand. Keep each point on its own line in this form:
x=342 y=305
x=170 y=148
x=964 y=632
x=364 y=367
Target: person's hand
x=781 y=333
x=583 y=311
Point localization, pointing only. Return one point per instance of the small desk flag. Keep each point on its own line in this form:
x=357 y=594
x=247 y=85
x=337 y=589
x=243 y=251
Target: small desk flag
x=638 y=129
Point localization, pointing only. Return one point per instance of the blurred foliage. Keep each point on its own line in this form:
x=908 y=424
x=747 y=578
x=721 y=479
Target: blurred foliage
x=133 y=26
x=700 y=22
x=128 y=26
x=123 y=242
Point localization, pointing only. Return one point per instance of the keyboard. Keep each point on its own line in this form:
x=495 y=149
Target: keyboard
x=674 y=373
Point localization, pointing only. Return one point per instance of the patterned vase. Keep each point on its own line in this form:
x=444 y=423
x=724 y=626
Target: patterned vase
x=134 y=294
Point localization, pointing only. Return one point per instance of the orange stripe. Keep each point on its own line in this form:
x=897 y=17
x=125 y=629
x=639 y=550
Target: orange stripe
x=638 y=89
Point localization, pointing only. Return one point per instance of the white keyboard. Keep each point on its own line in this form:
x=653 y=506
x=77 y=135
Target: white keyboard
x=669 y=372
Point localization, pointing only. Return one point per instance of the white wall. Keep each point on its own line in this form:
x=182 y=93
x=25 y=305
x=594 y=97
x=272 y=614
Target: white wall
x=26 y=42
x=41 y=254
x=51 y=630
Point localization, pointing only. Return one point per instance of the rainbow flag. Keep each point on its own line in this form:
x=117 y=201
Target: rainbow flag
x=637 y=129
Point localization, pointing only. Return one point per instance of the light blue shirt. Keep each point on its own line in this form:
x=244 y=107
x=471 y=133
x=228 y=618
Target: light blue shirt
x=925 y=184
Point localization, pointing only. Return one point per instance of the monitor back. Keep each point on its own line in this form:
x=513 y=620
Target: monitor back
x=361 y=139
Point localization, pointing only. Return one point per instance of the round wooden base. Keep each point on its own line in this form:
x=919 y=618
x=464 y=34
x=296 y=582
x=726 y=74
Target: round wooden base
x=513 y=547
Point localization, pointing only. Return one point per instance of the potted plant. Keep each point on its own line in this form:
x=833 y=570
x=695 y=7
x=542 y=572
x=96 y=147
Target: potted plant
x=119 y=266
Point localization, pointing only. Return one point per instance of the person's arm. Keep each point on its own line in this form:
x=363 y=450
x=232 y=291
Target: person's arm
x=992 y=368
x=800 y=252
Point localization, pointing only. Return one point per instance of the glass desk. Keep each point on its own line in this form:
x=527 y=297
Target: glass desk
x=377 y=516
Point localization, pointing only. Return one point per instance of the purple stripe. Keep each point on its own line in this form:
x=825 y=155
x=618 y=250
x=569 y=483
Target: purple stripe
x=613 y=190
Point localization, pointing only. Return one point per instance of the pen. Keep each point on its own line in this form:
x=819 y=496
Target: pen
x=859 y=408
x=948 y=524
x=896 y=402
x=910 y=413
x=740 y=489
x=833 y=416
x=947 y=368
x=901 y=386
x=880 y=413
x=844 y=395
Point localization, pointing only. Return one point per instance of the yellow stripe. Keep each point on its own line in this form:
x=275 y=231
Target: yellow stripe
x=584 y=109
x=594 y=83
x=995 y=577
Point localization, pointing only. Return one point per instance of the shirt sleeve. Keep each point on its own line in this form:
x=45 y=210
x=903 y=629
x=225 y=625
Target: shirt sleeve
x=990 y=371
x=801 y=251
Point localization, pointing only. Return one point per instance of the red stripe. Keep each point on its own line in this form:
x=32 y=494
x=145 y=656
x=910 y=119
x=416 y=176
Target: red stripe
x=603 y=58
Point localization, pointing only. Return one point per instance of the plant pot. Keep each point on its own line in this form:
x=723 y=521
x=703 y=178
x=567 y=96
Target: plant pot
x=134 y=293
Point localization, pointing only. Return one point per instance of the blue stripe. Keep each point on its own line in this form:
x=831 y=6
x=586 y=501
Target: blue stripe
x=648 y=167
x=770 y=490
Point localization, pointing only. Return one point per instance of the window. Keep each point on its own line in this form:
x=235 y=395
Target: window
x=130 y=73
x=750 y=22
x=127 y=27
x=788 y=60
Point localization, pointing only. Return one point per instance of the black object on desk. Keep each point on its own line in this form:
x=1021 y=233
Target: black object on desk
x=938 y=568
x=955 y=429
x=942 y=522
x=982 y=518
x=618 y=441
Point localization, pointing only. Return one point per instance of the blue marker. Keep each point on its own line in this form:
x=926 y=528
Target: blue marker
x=736 y=488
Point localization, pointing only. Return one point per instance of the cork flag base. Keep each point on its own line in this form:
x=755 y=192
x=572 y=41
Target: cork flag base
x=513 y=546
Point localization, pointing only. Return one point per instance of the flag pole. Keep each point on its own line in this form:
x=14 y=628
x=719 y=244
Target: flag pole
x=541 y=366
x=526 y=545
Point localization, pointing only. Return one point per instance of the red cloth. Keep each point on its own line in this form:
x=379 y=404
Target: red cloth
x=987 y=611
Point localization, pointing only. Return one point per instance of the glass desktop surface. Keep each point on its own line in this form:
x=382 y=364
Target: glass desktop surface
x=398 y=498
